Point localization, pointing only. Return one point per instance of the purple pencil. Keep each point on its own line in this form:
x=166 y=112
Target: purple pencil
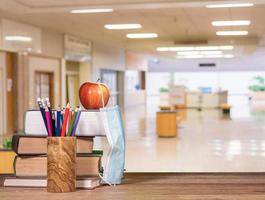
x=76 y=122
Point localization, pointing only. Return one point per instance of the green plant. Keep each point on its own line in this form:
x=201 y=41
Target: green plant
x=7 y=143
x=259 y=85
x=163 y=90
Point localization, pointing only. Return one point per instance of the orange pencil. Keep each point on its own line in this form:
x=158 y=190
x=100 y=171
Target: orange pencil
x=66 y=115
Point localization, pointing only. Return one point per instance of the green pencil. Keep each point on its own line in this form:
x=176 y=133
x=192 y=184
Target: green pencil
x=69 y=133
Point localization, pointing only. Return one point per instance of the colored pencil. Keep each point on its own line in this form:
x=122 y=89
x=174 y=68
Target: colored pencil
x=70 y=129
x=53 y=123
x=63 y=131
x=76 y=121
x=58 y=122
x=48 y=104
x=48 y=121
x=62 y=115
x=69 y=120
x=42 y=110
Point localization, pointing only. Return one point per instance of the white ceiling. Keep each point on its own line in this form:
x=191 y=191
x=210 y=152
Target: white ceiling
x=178 y=22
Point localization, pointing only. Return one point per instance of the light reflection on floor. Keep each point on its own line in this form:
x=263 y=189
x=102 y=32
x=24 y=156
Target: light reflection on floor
x=206 y=141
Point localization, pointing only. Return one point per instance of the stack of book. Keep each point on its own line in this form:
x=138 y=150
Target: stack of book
x=30 y=164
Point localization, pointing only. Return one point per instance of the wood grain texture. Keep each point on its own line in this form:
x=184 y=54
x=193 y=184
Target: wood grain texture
x=166 y=124
x=6 y=162
x=164 y=186
x=61 y=164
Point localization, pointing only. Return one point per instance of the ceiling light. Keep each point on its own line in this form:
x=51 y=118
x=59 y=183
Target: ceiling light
x=141 y=35
x=188 y=53
x=18 y=38
x=231 y=33
x=213 y=56
x=230 y=5
x=203 y=56
x=98 y=10
x=207 y=48
x=232 y=23
x=190 y=56
x=123 y=26
x=196 y=48
x=211 y=52
x=175 y=49
x=227 y=47
x=181 y=48
x=200 y=53
x=229 y=56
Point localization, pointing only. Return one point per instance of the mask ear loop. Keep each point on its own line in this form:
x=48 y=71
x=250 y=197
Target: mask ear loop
x=102 y=95
x=105 y=180
x=103 y=105
x=101 y=91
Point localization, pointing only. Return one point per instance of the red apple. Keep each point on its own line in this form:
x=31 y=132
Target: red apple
x=90 y=95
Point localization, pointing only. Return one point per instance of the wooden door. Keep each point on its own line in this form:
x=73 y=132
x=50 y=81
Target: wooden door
x=1 y=103
x=10 y=120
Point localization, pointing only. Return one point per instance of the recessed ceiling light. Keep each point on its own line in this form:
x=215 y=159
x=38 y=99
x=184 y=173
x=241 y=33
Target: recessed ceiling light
x=123 y=26
x=229 y=56
x=232 y=23
x=213 y=56
x=190 y=56
x=231 y=33
x=200 y=53
x=196 y=48
x=230 y=5
x=203 y=56
x=175 y=49
x=141 y=35
x=226 y=47
x=18 y=38
x=97 y=10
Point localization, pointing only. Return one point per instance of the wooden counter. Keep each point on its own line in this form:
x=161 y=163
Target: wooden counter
x=161 y=186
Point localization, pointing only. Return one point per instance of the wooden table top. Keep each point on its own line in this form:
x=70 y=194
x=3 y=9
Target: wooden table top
x=166 y=186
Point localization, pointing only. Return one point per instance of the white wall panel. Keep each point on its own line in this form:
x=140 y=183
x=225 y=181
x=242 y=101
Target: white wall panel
x=12 y=28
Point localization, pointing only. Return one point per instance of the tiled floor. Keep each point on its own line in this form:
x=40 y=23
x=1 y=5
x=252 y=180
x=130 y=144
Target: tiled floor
x=206 y=141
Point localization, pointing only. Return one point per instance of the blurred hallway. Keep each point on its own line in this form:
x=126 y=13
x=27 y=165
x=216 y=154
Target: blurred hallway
x=206 y=142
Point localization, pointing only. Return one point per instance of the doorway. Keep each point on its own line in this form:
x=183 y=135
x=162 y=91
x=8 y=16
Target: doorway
x=44 y=85
x=110 y=78
x=72 y=82
x=1 y=103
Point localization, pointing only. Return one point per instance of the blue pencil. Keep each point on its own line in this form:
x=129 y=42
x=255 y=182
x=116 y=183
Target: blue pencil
x=58 y=123
x=42 y=110
x=62 y=115
x=76 y=122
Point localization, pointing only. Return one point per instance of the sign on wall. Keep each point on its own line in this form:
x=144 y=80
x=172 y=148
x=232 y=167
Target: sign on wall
x=77 y=49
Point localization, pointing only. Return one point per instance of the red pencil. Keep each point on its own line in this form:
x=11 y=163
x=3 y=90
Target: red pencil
x=66 y=114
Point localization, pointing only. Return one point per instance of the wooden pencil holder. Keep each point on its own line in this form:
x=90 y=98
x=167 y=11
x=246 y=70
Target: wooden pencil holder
x=61 y=164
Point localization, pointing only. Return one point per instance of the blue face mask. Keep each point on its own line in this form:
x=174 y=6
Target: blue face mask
x=114 y=166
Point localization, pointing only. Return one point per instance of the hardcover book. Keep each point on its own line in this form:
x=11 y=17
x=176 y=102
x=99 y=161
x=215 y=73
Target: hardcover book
x=36 y=166
x=85 y=183
x=37 y=145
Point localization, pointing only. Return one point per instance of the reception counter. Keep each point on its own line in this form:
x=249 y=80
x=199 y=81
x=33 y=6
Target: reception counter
x=205 y=100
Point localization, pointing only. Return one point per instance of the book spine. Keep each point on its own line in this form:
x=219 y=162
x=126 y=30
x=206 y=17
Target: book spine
x=15 y=143
x=14 y=165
